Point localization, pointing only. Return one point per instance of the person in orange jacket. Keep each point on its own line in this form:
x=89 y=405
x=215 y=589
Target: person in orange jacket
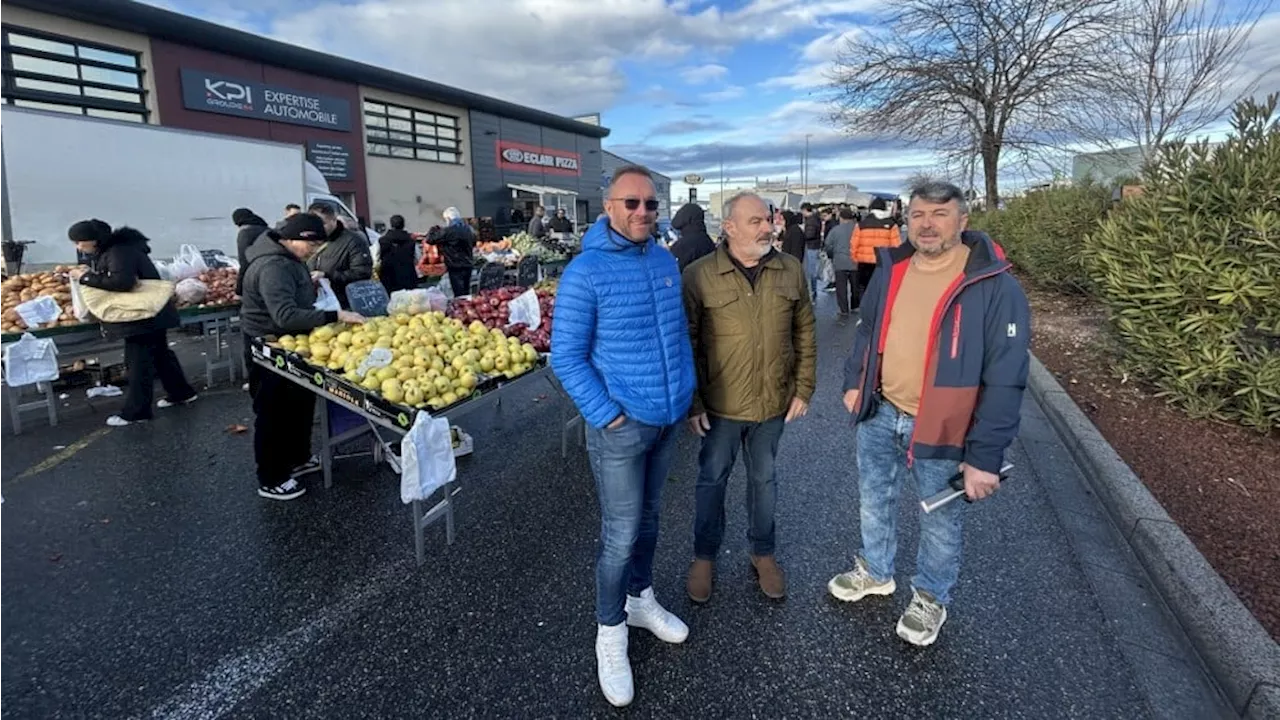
x=877 y=229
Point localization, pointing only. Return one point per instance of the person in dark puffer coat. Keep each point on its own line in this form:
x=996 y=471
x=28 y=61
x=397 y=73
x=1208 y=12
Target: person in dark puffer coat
x=396 y=249
x=250 y=227
x=120 y=260
x=623 y=354
x=691 y=222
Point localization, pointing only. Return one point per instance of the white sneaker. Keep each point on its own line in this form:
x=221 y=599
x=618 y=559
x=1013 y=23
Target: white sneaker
x=645 y=612
x=856 y=584
x=923 y=619
x=117 y=421
x=167 y=403
x=613 y=667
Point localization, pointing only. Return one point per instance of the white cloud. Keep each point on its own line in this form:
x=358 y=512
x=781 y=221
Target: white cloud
x=561 y=55
x=703 y=74
x=730 y=92
x=817 y=59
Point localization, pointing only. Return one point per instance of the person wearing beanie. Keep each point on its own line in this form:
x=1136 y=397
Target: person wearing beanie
x=118 y=261
x=248 y=227
x=457 y=243
x=279 y=299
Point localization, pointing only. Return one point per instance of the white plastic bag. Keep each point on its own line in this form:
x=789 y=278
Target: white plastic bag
x=188 y=263
x=191 y=291
x=826 y=271
x=34 y=360
x=326 y=299
x=426 y=460
x=524 y=309
x=39 y=311
x=165 y=269
x=78 y=306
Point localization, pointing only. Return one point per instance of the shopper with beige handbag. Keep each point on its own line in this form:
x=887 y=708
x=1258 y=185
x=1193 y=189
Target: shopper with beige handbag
x=123 y=289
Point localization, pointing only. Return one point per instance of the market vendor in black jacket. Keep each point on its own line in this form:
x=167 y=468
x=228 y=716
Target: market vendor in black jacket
x=250 y=226
x=344 y=258
x=457 y=243
x=279 y=299
x=119 y=261
x=397 y=264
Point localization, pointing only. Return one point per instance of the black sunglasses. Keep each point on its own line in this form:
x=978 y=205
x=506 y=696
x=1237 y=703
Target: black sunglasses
x=633 y=204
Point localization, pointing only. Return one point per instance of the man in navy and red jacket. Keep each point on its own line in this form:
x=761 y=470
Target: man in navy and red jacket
x=934 y=381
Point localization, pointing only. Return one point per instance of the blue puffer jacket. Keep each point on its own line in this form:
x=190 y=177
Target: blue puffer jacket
x=619 y=341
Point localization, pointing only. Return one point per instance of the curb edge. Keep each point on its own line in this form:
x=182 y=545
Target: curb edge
x=1237 y=651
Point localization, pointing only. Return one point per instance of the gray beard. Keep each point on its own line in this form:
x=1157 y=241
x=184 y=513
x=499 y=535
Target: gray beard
x=941 y=249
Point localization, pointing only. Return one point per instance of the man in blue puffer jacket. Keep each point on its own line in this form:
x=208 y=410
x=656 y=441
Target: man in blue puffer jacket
x=621 y=349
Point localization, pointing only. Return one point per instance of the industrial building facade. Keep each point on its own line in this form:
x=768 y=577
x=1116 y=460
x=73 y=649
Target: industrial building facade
x=387 y=143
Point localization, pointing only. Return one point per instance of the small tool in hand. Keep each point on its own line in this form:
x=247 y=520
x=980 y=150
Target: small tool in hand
x=956 y=490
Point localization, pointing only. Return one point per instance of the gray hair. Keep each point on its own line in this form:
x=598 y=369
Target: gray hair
x=733 y=201
x=940 y=192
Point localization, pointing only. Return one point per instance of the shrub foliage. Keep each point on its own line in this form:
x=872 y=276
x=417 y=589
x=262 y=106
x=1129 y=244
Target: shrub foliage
x=1043 y=232
x=1190 y=272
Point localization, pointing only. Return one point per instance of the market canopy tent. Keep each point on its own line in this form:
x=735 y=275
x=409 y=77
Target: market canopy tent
x=543 y=192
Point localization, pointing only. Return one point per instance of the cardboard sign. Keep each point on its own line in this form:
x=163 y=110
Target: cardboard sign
x=368 y=298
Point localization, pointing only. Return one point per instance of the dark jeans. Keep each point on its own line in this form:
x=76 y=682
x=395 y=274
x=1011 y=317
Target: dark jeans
x=460 y=281
x=147 y=357
x=865 y=271
x=284 y=413
x=716 y=461
x=846 y=287
x=630 y=465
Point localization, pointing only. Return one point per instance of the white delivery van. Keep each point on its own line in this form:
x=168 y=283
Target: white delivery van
x=175 y=186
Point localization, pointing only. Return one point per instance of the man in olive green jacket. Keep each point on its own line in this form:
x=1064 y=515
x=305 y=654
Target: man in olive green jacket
x=754 y=347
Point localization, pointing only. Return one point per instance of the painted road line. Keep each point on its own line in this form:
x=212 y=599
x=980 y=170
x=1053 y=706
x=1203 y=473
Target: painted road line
x=64 y=454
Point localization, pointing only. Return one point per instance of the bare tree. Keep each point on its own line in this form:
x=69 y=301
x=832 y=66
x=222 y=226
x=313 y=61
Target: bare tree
x=1172 y=68
x=971 y=79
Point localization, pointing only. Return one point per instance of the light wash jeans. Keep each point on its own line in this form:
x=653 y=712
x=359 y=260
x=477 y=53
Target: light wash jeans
x=630 y=465
x=882 y=468
x=812 y=269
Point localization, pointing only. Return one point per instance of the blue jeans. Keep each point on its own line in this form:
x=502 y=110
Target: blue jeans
x=719 y=453
x=812 y=268
x=882 y=467
x=630 y=465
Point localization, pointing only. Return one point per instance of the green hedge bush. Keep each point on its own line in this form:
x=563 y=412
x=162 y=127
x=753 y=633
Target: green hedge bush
x=1043 y=232
x=1190 y=273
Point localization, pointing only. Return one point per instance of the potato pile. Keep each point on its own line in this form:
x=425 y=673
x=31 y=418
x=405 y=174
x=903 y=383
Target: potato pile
x=21 y=288
x=222 y=287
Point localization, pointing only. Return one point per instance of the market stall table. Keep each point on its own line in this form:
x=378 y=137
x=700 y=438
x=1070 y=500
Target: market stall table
x=376 y=423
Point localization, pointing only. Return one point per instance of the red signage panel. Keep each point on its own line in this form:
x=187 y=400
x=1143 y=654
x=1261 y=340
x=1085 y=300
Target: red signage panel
x=519 y=157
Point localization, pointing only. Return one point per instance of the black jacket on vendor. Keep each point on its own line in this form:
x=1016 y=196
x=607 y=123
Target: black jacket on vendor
x=120 y=262
x=457 y=242
x=397 y=265
x=344 y=259
x=279 y=296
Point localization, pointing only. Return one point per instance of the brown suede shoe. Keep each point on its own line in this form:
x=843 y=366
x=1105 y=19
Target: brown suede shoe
x=700 y=580
x=772 y=582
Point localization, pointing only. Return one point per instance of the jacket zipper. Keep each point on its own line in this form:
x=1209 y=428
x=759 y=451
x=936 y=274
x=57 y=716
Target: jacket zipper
x=933 y=337
x=648 y=273
x=955 y=332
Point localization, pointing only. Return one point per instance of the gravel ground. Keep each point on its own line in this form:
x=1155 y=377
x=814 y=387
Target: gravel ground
x=1218 y=481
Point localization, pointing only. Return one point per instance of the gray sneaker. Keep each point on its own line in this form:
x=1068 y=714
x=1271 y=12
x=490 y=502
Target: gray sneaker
x=856 y=584
x=923 y=619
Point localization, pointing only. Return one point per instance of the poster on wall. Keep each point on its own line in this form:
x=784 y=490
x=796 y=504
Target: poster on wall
x=332 y=159
x=519 y=157
x=204 y=91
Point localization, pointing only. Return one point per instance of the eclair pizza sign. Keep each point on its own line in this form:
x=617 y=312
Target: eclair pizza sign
x=530 y=158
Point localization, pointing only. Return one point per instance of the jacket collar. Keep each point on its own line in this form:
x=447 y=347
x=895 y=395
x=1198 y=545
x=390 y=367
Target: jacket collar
x=724 y=263
x=984 y=254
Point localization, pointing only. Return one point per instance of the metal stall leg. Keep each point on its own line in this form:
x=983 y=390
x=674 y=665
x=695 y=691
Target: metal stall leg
x=217 y=360
x=326 y=444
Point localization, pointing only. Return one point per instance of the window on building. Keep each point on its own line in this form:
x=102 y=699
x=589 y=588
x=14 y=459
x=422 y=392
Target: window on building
x=401 y=132
x=48 y=72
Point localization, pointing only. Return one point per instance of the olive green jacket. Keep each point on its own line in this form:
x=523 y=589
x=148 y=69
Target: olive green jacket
x=754 y=348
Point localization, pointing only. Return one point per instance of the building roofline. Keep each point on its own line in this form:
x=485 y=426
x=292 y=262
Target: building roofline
x=175 y=27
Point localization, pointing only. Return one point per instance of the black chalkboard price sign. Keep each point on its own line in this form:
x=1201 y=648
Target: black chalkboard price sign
x=367 y=297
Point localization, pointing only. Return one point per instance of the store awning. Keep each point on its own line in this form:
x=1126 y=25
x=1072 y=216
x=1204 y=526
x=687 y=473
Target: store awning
x=542 y=190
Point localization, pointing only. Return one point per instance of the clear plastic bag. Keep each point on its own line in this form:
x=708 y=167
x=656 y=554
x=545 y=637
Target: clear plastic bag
x=191 y=291
x=39 y=311
x=413 y=302
x=188 y=263
x=326 y=299
x=426 y=461
x=524 y=309
x=33 y=360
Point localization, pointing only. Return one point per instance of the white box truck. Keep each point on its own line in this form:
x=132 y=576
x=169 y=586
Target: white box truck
x=175 y=186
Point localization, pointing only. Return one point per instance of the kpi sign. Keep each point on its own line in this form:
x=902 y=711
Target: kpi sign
x=530 y=158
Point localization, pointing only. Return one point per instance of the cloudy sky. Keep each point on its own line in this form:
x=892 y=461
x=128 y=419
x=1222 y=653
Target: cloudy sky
x=684 y=85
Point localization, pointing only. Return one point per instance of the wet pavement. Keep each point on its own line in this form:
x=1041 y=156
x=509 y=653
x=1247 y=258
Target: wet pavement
x=143 y=577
